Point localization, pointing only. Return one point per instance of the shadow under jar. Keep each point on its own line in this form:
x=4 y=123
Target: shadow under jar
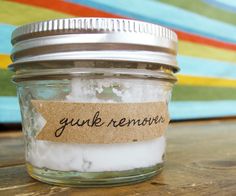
x=94 y=96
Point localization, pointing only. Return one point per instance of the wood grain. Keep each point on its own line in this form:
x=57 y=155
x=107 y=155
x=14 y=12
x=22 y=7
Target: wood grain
x=11 y=148
x=201 y=160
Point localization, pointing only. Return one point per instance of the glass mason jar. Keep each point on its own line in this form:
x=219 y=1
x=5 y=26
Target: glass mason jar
x=94 y=96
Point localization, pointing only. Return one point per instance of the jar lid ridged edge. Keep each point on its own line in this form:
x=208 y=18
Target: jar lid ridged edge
x=94 y=25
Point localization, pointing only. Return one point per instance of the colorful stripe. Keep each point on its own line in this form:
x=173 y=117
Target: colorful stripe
x=7 y=88
x=206 y=68
x=204 y=40
x=9 y=110
x=5 y=38
x=229 y=5
x=204 y=51
x=202 y=93
x=205 y=81
x=18 y=14
x=67 y=7
x=178 y=19
x=4 y=61
x=203 y=8
x=202 y=109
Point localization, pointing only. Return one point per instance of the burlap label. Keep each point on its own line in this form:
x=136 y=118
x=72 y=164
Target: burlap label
x=93 y=123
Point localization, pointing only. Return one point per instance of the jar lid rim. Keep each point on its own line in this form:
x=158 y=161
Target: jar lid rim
x=107 y=32
x=94 y=25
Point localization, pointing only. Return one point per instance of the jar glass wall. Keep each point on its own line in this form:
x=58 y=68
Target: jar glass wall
x=92 y=164
x=94 y=96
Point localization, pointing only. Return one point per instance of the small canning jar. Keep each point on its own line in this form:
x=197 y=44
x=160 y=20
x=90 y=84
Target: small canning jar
x=94 y=96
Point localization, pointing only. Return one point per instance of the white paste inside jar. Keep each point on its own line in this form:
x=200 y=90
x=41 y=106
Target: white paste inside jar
x=102 y=157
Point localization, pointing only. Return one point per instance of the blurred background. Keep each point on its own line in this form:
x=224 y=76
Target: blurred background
x=207 y=47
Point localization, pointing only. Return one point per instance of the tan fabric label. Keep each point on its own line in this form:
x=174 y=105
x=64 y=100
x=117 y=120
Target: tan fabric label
x=93 y=123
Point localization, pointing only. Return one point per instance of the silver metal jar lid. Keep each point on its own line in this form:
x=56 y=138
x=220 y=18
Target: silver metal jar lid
x=107 y=39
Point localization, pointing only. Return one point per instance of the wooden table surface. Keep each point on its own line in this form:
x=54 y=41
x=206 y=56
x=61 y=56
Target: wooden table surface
x=201 y=160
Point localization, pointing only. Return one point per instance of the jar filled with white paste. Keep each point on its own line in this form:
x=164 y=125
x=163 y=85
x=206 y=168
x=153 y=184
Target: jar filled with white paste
x=94 y=96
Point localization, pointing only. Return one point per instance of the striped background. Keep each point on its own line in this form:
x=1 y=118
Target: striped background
x=207 y=46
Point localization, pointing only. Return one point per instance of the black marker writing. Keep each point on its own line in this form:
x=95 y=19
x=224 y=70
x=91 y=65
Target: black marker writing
x=136 y=122
x=96 y=121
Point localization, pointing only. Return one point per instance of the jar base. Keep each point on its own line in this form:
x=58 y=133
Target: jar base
x=93 y=179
